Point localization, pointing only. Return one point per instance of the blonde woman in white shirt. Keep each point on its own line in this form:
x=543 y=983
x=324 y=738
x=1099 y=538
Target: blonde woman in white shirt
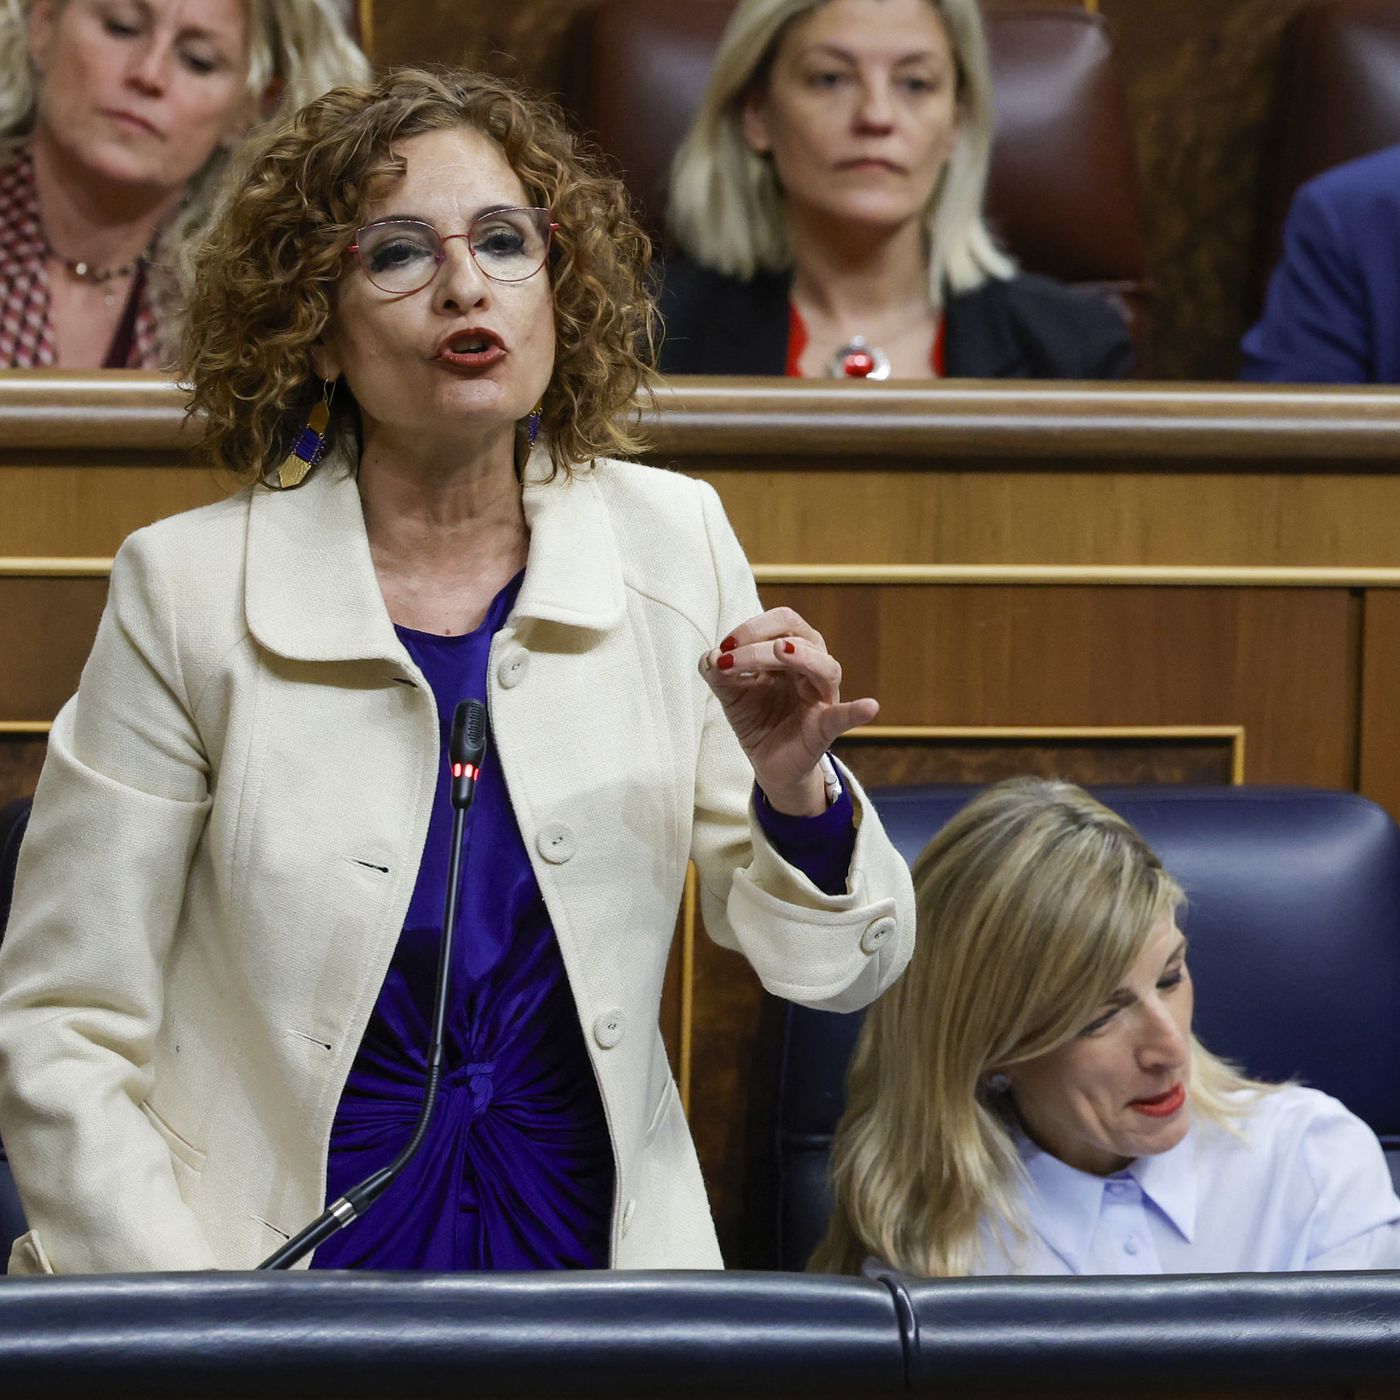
x=1030 y=1099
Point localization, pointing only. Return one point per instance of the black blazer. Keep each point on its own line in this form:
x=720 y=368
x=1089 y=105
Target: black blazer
x=1025 y=328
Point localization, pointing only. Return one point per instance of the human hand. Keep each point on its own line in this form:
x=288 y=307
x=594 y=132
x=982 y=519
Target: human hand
x=781 y=693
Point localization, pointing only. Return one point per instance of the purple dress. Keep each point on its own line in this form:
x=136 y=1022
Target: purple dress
x=516 y=1171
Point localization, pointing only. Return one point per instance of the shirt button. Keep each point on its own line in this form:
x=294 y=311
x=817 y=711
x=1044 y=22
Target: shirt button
x=556 y=843
x=608 y=1031
x=628 y=1211
x=513 y=667
x=1118 y=1188
x=1130 y=1245
x=876 y=935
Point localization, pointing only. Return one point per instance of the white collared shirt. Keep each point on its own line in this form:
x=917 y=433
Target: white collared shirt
x=1305 y=1186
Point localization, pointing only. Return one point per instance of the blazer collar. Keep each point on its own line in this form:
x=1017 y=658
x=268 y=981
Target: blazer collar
x=573 y=574
x=311 y=593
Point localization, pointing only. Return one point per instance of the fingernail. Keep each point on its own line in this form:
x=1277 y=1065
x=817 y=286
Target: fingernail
x=789 y=647
x=728 y=644
x=725 y=662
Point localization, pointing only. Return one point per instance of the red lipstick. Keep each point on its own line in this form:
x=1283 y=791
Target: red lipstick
x=472 y=348
x=1161 y=1105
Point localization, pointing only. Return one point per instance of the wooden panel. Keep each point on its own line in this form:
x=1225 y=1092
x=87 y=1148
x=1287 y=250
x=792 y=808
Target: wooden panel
x=1123 y=656
x=46 y=631
x=90 y=510
x=1202 y=78
x=1379 y=776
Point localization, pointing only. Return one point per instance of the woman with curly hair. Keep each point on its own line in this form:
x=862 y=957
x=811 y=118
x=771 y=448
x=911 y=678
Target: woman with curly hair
x=118 y=119
x=417 y=334
x=1030 y=1099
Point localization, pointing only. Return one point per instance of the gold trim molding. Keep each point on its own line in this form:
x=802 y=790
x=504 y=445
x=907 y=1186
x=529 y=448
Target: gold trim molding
x=25 y=726
x=927 y=575
x=1095 y=575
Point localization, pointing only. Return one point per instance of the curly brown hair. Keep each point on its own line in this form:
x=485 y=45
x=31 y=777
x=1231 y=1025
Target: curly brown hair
x=264 y=282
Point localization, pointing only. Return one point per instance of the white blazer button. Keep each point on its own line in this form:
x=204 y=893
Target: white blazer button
x=876 y=935
x=628 y=1211
x=513 y=667
x=609 y=1027
x=556 y=842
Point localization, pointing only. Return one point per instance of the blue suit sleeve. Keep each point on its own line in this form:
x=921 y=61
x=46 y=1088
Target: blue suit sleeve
x=1316 y=327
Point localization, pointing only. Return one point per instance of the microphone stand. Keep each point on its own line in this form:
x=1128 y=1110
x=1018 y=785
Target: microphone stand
x=465 y=751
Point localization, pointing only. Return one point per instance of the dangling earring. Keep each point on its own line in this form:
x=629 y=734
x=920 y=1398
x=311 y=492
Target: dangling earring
x=998 y=1083
x=310 y=446
x=532 y=423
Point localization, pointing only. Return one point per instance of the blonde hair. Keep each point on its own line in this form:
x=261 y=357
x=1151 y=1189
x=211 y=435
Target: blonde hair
x=296 y=48
x=726 y=208
x=1033 y=903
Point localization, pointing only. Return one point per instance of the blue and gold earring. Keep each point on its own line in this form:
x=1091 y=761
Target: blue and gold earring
x=532 y=423
x=310 y=445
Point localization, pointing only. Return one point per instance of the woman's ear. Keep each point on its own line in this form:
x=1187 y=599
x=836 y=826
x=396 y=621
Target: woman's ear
x=753 y=117
x=40 y=32
x=325 y=361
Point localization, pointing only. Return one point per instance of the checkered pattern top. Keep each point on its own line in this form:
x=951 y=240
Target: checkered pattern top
x=26 y=333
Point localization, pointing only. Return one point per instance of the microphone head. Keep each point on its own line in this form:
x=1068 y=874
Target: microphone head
x=468 y=742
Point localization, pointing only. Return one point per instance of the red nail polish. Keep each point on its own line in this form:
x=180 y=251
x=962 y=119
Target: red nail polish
x=789 y=648
x=728 y=644
x=725 y=662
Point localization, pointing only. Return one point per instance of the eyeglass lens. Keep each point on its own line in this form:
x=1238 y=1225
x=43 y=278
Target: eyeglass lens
x=402 y=255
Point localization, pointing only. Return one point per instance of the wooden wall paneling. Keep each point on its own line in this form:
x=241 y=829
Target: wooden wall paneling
x=1202 y=78
x=87 y=511
x=46 y=631
x=1379 y=730
x=1260 y=658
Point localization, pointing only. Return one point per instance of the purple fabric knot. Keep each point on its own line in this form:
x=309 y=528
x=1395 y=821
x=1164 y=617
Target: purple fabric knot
x=479 y=1082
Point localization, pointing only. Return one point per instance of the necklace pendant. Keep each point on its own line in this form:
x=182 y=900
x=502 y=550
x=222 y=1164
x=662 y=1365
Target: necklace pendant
x=859 y=360
x=80 y=269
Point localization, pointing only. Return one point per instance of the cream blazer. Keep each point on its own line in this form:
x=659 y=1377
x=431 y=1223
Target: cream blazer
x=227 y=832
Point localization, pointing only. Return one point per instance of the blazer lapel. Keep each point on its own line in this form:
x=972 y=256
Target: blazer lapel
x=573 y=575
x=310 y=591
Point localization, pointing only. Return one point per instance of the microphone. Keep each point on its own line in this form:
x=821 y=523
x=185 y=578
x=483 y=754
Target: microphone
x=465 y=751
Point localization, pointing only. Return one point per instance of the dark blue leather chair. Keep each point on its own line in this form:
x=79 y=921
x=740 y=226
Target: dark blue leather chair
x=14 y=817
x=1294 y=922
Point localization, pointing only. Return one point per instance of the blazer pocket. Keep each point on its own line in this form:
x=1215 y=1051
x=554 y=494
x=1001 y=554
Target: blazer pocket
x=183 y=1153
x=28 y=1256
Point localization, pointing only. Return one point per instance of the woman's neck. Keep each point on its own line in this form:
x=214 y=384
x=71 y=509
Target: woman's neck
x=446 y=530
x=102 y=223
x=846 y=273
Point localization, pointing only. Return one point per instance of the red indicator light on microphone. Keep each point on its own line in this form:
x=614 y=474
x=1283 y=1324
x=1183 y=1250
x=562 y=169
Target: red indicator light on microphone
x=457 y=769
x=466 y=770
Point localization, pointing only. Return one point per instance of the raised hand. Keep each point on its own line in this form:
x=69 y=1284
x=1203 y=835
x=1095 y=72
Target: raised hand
x=781 y=693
